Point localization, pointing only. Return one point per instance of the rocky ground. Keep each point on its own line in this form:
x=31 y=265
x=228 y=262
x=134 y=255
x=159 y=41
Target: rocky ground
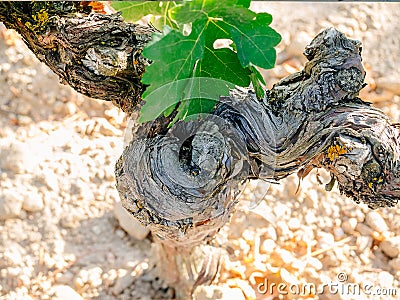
x=60 y=221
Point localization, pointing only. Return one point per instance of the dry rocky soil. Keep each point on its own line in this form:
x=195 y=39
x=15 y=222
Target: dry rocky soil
x=63 y=234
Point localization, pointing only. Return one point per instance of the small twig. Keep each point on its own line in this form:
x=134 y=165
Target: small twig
x=320 y=251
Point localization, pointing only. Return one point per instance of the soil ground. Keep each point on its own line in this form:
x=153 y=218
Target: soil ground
x=59 y=238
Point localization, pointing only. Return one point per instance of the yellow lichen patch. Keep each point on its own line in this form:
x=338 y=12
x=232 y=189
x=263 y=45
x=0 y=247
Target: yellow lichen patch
x=375 y=181
x=40 y=18
x=334 y=151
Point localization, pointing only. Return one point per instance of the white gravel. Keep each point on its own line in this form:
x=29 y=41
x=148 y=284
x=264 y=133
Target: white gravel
x=59 y=238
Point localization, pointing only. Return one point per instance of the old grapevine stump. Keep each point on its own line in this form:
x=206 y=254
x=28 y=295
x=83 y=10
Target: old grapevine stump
x=182 y=182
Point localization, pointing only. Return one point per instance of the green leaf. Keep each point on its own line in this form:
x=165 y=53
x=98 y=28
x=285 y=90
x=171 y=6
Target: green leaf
x=163 y=99
x=257 y=74
x=264 y=19
x=223 y=64
x=244 y=3
x=254 y=40
x=191 y=11
x=189 y=108
x=183 y=14
x=187 y=74
x=133 y=11
x=174 y=56
x=157 y=36
x=214 y=32
x=201 y=96
x=160 y=21
x=258 y=82
x=192 y=94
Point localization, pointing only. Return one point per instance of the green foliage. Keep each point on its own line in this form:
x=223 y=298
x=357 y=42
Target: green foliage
x=173 y=56
x=197 y=96
x=184 y=55
x=133 y=11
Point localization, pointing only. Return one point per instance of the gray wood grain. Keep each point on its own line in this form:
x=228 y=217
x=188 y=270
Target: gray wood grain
x=183 y=183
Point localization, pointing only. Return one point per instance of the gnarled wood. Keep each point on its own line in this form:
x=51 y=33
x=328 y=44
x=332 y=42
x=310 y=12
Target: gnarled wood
x=182 y=184
x=98 y=55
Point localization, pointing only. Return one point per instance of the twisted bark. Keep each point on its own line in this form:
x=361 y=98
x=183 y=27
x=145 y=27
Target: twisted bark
x=96 y=54
x=183 y=182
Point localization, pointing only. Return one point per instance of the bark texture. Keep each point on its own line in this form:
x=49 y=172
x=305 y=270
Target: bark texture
x=98 y=55
x=182 y=184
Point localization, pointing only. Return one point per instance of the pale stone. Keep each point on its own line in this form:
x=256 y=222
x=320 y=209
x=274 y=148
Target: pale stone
x=128 y=223
x=325 y=239
x=51 y=181
x=298 y=43
x=385 y=279
x=374 y=220
x=364 y=229
x=349 y=225
x=391 y=84
x=217 y=292
x=283 y=230
x=94 y=276
x=294 y=224
x=64 y=278
x=315 y=263
x=122 y=283
x=33 y=202
x=391 y=247
x=268 y=246
x=13 y=254
x=81 y=190
x=14 y=157
x=70 y=108
x=395 y=264
x=105 y=128
x=10 y=205
x=64 y=292
x=271 y=233
x=364 y=242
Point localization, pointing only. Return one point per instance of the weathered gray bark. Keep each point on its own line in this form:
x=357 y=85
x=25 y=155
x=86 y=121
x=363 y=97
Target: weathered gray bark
x=182 y=182
x=96 y=54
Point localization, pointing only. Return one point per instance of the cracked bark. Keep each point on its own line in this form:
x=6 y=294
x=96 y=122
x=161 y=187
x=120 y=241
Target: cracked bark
x=183 y=182
x=310 y=119
x=98 y=55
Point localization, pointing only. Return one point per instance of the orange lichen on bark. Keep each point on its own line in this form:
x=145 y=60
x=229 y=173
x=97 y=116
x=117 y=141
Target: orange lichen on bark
x=334 y=151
